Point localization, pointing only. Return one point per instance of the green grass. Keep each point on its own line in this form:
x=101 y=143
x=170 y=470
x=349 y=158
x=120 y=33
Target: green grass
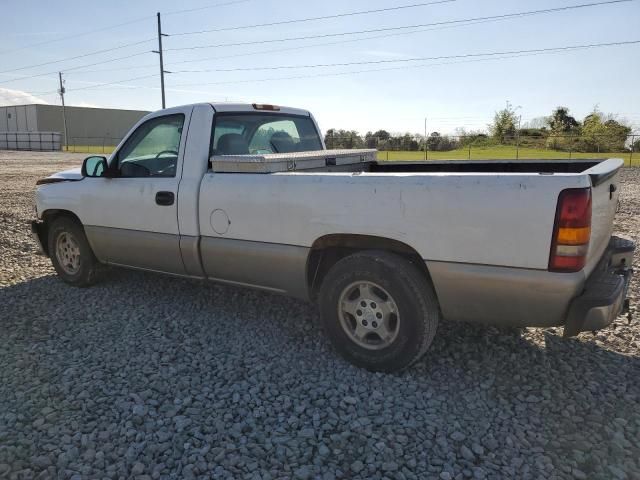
x=97 y=149
x=505 y=152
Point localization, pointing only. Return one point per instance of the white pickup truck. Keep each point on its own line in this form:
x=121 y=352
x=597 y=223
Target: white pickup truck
x=247 y=195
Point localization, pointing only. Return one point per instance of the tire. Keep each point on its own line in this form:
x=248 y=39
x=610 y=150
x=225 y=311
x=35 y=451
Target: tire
x=392 y=344
x=71 y=254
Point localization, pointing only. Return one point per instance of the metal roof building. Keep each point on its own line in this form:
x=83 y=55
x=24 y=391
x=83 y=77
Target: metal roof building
x=41 y=127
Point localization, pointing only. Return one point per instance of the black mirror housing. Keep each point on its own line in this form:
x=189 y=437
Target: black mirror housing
x=95 y=166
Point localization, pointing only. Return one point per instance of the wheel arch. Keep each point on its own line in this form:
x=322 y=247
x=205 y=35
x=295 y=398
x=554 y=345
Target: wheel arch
x=329 y=249
x=48 y=217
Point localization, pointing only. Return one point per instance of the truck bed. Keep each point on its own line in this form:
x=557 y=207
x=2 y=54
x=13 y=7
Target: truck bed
x=364 y=160
x=487 y=166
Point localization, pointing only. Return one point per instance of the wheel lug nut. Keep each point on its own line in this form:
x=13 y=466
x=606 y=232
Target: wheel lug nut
x=374 y=324
x=363 y=303
x=373 y=304
x=359 y=313
x=378 y=315
x=365 y=323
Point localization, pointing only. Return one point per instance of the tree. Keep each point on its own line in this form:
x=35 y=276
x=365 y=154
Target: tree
x=504 y=123
x=537 y=123
x=564 y=129
x=603 y=133
x=334 y=139
x=382 y=135
x=561 y=122
x=370 y=141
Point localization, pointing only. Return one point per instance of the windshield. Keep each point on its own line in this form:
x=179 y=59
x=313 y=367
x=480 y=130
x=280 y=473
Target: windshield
x=260 y=133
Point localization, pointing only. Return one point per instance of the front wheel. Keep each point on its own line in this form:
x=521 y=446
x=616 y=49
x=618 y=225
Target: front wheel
x=71 y=254
x=379 y=311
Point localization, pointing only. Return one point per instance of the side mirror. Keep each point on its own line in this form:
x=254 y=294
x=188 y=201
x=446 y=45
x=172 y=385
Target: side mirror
x=94 y=166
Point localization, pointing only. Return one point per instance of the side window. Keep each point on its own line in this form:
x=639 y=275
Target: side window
x=152 y=150
x=276 y=137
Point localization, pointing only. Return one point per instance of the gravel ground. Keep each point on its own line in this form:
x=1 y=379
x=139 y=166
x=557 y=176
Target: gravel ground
x=146 y=377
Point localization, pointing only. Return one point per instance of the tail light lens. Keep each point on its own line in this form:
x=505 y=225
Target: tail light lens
x=571 y=231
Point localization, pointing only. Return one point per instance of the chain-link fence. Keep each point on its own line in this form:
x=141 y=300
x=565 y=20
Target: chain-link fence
x=400 y=147
x=481 y=146
x=92 y=144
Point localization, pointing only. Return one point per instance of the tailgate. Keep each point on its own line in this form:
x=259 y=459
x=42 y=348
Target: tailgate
x=605 y=189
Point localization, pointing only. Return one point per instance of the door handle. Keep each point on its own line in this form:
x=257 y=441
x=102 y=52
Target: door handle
x=165 y=198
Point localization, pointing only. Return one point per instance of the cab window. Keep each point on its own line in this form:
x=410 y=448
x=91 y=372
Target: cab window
x=263 y=133
x=152 y=150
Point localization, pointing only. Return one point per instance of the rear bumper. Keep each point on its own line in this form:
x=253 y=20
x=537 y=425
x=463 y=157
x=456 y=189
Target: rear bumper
x=605 y=291
x=518 y=297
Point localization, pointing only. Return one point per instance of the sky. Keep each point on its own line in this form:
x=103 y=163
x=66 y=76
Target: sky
x=392 y=94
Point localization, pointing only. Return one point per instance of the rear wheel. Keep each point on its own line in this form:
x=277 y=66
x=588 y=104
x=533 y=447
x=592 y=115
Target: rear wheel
x=71 y=254
x=379 y=311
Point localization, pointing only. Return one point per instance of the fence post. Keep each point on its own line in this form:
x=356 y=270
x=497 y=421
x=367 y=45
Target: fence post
x=633 y=139
x=103 y=139
x=387 y=155
x=469 y=157
x=570 y=145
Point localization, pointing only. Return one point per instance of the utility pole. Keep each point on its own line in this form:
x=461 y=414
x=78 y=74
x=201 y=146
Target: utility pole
x=159 y=52
x=64 y=113
x=518 y=138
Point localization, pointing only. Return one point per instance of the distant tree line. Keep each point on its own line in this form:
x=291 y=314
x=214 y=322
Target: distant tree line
x=597 y=132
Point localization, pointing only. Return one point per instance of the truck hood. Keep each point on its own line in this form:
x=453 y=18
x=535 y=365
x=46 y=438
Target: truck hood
x=71 y=175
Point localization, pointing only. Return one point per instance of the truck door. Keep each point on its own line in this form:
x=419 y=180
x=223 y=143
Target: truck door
x=134 y=221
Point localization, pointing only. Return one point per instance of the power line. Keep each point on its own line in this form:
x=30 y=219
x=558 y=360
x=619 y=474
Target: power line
x=196 y=9
x=339 y=42
x=438 y=25
x=417 y=59
x=466 y=58
x=75 y=35
x=503 y=54
x=261 y=52
x=117 y=25
x=130 y=67
x=402 y=27
x=96 y=52
x=98 y=85
x=174 y=12
x=126 y=57
x=313 y=19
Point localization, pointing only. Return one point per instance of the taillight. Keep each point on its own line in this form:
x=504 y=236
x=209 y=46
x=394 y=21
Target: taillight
x=571 y=231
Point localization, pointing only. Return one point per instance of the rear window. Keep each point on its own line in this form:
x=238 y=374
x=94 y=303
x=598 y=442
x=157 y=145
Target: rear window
x=260 y=133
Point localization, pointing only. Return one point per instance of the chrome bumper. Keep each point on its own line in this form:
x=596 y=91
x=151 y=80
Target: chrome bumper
x=605 y=291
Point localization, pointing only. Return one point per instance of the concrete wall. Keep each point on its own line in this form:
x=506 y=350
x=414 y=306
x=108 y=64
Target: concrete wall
x=85 y=126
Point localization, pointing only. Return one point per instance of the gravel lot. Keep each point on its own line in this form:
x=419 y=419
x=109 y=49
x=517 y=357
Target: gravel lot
x=146 y=377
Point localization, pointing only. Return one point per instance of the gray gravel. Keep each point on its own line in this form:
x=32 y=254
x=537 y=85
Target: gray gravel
x=147 y=377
